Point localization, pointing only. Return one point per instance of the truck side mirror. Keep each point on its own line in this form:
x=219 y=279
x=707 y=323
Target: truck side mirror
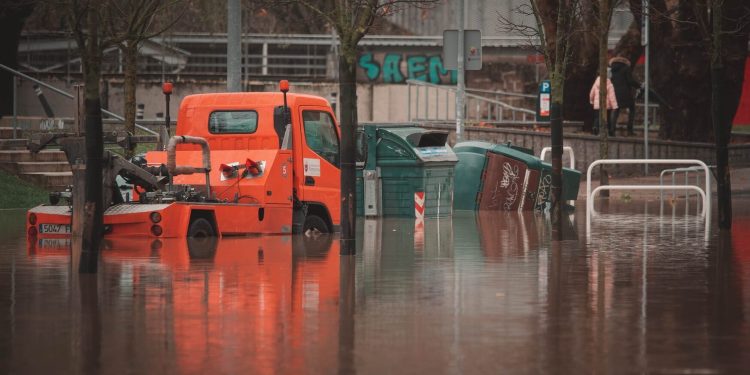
x=281 y=116
x=361 y=149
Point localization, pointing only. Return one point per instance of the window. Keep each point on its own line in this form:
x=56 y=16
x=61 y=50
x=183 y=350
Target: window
x=321 y=136
x=233 y=122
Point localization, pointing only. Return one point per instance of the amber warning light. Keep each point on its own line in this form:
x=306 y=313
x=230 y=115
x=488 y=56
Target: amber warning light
x=166 y=88
x=284 y=85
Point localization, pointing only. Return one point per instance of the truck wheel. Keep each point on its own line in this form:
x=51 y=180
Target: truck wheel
x=313 y=222
x=202 y=247
x=201 y=227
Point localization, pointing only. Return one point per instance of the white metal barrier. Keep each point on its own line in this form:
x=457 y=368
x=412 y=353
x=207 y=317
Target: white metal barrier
x=565 y=148
x=686 y=170
x=705 y=194
x=674 y=171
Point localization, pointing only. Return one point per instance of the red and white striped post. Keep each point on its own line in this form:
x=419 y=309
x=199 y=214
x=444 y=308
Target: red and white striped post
x=419 y=221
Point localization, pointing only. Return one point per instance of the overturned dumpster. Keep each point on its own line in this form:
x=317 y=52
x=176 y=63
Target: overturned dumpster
x=404 y=169
x=497 y=177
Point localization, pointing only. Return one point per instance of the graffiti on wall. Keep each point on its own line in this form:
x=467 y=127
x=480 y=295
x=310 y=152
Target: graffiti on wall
x=398 y=67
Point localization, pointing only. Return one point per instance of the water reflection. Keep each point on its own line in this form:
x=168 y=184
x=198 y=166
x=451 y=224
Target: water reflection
x=491 y=292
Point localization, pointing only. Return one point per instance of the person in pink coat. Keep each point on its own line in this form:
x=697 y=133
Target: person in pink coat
x=611 y=105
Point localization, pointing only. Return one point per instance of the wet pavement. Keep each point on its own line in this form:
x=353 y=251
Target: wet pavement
x=491 y=293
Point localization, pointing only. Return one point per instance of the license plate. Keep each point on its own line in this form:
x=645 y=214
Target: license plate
x=54 y=242
x=54 y=228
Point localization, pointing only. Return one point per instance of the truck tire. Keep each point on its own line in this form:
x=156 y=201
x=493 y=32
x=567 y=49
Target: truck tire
x=201 y=227
x=313 y=222
x=202 y=247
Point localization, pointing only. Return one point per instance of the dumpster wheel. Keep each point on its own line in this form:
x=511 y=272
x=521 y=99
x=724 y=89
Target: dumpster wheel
x=314 y=222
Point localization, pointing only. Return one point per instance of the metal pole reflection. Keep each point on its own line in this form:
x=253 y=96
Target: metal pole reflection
x=644 y=289
x=347 y=299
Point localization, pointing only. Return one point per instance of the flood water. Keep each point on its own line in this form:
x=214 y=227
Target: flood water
x=647 y=292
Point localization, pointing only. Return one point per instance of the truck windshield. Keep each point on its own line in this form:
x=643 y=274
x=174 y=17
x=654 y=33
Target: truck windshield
x=233 y=122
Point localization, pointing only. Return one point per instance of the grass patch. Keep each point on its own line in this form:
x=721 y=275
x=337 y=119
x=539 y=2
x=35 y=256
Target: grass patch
x=16 y=193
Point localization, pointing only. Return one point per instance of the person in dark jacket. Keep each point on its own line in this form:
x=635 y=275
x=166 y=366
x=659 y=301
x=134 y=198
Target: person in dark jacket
x=624 y=83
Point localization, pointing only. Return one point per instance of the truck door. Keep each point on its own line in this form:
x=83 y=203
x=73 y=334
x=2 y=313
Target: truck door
x=321 y=175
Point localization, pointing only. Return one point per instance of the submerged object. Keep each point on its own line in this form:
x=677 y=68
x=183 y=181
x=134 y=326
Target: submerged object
x=501 y=177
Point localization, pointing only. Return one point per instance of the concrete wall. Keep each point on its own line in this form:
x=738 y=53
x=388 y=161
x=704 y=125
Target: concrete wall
x=586 y=148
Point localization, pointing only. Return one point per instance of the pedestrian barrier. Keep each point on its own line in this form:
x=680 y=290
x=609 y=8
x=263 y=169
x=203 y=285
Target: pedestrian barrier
x=687 y=171
x=565 y=148
x=674 y=171
x=704 y=193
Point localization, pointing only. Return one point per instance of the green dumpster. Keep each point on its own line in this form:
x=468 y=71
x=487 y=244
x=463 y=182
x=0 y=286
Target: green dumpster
x=505 y=178
x=403 y=160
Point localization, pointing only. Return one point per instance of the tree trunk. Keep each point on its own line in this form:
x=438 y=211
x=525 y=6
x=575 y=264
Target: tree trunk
x=553 y=19
x=722 y=131
x=11 y=24
x=556 y=140
x=580 y=75
x=130 y=50
x=577 y=86
x=687 y=115
x=722 y=127
x=348 y=121
x=603 y=33
x=93 y=215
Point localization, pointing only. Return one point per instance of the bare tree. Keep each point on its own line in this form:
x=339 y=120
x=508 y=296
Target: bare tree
x=709 y=38
x=604 y=8
x=13 y=14
x=128 y=24
x=352 y=20
x=727 y=30
x=85 y=17
x=552 y=35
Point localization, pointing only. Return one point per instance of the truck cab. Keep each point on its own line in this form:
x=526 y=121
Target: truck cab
x=303 y=173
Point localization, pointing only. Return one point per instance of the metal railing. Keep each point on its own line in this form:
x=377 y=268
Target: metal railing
x=705 y=194
x=565 y=148
x=424 y=105
x=653 y=114
x=674 y=171
x=65 y=94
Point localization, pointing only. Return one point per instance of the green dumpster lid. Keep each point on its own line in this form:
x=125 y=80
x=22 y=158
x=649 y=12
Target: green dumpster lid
x=421 y=144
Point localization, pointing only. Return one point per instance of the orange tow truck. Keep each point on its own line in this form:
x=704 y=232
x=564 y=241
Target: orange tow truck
x=239 y=164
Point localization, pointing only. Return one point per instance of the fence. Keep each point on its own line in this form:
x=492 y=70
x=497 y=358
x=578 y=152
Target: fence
x=705 y=194
x=429 y=102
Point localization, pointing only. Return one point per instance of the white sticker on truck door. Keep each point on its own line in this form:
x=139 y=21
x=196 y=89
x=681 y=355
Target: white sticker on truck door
x=312 y=167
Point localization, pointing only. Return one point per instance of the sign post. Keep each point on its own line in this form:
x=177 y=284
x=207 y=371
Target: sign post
x=472 y=49
x=461 y=54
x=645 y=43
x=543 y=100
